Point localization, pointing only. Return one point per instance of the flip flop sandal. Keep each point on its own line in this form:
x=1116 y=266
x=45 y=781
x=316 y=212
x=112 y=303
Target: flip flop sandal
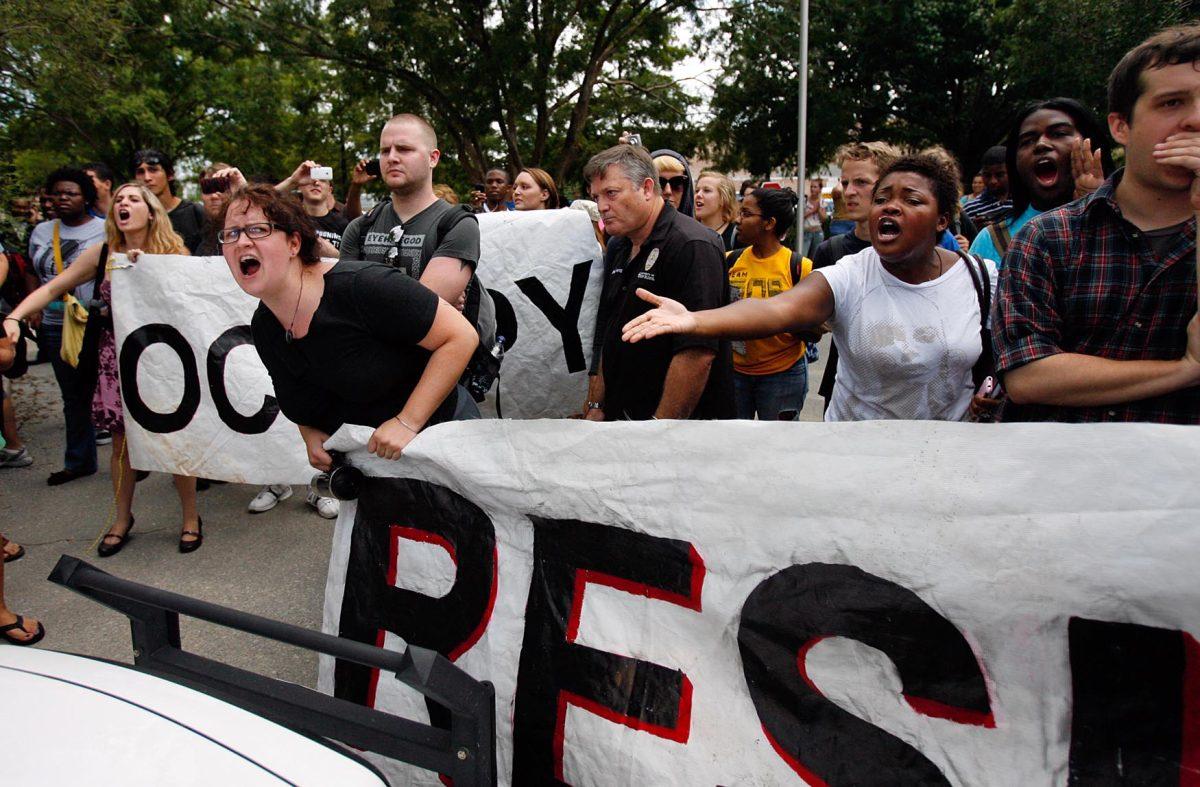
x=20 y=624
x=10 y=557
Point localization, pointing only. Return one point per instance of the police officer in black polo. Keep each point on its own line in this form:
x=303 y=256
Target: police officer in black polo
x=657 y=248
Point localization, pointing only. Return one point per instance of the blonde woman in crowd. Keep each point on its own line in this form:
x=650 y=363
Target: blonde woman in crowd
x=136 y=223
x=717 y=206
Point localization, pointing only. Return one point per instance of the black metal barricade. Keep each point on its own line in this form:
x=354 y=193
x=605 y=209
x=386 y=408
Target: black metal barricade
x=466 y=752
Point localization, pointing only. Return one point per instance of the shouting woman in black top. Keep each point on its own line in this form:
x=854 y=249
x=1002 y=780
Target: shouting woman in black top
x=347 y=342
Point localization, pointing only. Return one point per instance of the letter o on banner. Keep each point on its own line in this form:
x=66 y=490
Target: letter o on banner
x=131 y=353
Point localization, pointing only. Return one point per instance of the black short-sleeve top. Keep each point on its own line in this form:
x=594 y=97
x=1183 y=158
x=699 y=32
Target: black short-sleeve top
x=360 y=359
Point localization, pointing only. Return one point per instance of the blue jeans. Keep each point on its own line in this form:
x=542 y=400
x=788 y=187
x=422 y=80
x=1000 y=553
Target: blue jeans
x=811 y=241
x=80 y=455
x=768 y=395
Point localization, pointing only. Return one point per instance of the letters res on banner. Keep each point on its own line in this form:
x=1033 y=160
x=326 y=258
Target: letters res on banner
x=199 y=402
x=777 y=603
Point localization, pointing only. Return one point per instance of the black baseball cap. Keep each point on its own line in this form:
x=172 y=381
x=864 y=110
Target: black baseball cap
x=155 y=157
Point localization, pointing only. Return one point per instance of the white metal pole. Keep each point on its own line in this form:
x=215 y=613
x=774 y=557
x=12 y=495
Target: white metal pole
x=803 y=127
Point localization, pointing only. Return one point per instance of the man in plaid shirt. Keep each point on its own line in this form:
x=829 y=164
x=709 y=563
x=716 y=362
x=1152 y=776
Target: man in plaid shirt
x=1096 y=315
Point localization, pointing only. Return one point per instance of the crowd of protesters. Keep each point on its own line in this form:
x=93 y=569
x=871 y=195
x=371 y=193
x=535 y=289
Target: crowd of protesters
x=1046 y=284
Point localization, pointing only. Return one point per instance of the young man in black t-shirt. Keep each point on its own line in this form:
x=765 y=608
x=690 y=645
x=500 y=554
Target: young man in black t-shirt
x=654 y=247
x=403 y=232
x=157 y=172
x=316 y=197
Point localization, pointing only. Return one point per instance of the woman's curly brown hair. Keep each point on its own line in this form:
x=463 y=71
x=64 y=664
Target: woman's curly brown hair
x=282 y=211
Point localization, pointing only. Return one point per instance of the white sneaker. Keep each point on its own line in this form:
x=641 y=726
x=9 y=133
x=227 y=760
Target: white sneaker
x=103 y=437
x=327 y=507
x=268 y=497
x=15 y=457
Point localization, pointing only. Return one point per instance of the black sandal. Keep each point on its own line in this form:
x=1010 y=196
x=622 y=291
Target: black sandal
x=10 y=557
x=110 y=549
x=20 y=624
x=191 y=545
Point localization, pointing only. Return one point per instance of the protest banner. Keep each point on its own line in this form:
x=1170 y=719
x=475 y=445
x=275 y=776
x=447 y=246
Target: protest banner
x=774 y=603
x=199 y=402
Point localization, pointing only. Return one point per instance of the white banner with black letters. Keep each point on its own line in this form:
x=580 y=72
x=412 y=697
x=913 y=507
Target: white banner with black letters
x=765 y=603
x=198 y=400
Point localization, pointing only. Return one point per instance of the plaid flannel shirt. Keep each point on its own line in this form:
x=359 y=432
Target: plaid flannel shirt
x=1081 y=279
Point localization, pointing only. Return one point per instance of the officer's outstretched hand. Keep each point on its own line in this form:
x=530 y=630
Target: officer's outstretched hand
x=668 y=316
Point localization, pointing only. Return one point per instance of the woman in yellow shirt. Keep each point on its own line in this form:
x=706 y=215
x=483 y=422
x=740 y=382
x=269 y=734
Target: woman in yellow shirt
x=770 y=375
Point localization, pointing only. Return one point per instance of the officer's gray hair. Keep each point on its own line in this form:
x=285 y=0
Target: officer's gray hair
x=634 y=161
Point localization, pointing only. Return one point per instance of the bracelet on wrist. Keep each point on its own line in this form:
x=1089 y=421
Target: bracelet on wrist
x=594 y=406
x=406 y=426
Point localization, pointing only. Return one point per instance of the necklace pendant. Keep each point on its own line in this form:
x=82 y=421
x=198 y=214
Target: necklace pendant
x=287 y=336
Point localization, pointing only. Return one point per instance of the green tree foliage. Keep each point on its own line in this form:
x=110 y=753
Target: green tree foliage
x=949 y=72
x=915 y=73
x=265 y=84
x=1068 y=49
x=509 y=79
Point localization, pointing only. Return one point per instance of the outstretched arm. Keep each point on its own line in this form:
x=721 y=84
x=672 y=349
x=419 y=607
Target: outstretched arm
x=806 y=305
x=81 y=270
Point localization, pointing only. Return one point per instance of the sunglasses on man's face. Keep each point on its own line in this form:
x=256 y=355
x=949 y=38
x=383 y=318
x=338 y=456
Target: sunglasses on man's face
x=676 y=183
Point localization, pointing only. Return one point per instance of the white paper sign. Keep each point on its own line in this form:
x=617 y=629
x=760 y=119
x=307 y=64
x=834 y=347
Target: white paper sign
x=199 y=402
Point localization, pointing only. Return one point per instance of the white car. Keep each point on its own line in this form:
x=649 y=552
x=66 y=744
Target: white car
x=179 y=718
x=75 y=720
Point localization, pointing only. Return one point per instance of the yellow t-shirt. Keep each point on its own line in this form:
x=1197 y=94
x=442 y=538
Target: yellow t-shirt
x=752 y=277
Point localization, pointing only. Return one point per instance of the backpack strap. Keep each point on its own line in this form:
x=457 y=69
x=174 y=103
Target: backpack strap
x=450 y=219
x=986 y=365
x=800 y=268
x=1001 y=237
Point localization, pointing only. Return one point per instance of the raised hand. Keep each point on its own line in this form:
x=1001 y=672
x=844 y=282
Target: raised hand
x=668 y=316
x=300 y=172
x=1086 y=167
x=236 y=178
x=1183 y=150
x=360 y=176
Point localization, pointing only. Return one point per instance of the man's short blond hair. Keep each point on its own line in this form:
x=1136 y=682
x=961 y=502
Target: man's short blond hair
x=416 y=120
x=883 y=154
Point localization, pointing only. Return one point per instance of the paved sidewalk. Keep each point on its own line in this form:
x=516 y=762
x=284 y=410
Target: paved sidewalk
x=271 y=564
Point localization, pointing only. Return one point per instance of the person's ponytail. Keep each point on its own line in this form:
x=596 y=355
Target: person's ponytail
x=778 y=204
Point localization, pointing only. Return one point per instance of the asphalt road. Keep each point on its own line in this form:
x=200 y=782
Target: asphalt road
x=271 y=564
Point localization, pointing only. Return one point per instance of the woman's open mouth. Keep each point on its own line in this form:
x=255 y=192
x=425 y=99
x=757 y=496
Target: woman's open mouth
x=887 y=228
x=249 y=265
x=122 y=214
x=1045 y=171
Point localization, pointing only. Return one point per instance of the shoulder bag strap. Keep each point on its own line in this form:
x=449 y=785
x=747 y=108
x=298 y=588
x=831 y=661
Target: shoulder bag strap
x=58 y=260
x=1000 y=235
x=101 y=268
x=983 y=291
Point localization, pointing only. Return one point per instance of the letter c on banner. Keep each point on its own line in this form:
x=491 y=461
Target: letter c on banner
x=131 y=352
x=791 y=611
x=218 y=353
